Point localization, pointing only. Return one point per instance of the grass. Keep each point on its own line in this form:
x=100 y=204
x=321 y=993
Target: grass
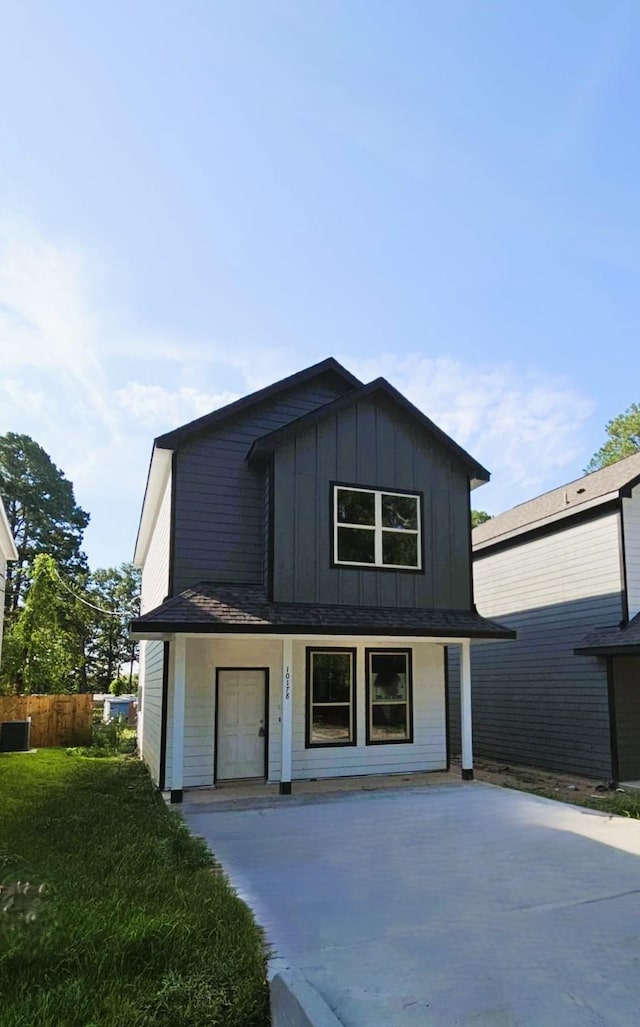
x=617 y=803
x=136 y=926
x=621 y=804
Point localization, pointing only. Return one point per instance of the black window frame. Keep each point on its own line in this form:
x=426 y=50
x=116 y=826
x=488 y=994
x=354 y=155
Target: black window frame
x=382 y=491
x=308 y=742
x=380 y=651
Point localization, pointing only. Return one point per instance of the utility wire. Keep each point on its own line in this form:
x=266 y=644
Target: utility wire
x=100 y=609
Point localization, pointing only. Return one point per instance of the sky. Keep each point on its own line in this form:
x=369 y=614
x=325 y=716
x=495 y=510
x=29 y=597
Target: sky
x=198 y=199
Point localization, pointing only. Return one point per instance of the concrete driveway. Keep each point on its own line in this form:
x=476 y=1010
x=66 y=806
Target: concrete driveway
x=458 y=904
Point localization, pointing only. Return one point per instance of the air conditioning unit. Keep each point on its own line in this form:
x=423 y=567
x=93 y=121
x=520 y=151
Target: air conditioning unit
x=14 y=735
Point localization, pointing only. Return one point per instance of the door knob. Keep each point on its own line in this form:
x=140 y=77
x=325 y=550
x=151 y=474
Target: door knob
x=261 y=733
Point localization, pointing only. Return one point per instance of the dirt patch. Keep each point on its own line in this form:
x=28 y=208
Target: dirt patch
x=550 y=783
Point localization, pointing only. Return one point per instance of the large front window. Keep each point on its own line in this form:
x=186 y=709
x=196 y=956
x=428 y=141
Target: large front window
x=388 y=696
x=374 y=528
x=330 y=697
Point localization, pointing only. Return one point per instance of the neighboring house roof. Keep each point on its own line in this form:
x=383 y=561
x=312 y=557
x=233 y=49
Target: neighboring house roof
x=567 y=501
x=621 y=640
x=210 y=608
x=265 y=445
x=7 y=545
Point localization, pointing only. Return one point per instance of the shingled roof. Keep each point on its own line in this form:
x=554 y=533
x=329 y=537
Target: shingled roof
x=224 y=609
x=566 y=501
x=621 y=640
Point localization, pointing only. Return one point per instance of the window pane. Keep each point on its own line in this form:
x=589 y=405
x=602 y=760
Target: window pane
x=399 y=512
x=331 y=724
x=356 y=545
x=388 y=676
x=356 y=507
x=399 y=549
x=389 y=722
x=331 y=677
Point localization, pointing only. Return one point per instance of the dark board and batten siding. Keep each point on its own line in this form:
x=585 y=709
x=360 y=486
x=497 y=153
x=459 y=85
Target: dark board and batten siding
x=534 y=701
x=220 y=500
x=626 y=685
x=368 y=444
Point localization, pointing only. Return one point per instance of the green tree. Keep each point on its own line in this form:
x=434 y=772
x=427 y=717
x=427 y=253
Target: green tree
x=43 y=514
x=479 y=517
x=624 y=439
x=114 y=593
x=41 y=651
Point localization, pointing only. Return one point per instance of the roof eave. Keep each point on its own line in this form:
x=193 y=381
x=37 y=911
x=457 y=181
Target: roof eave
x=632 y=649
x=7 y=544
x=328 y=366
x=262 y=448
x=542 y=522
x=159 y=471
x=139 y=632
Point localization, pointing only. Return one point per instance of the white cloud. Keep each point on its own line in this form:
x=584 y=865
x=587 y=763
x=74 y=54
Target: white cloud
x=161 y=409
x=524 y=425
x=48 y=322
x=66 y=382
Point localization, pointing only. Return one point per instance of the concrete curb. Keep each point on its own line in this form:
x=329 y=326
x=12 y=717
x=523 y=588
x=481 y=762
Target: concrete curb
x=296 y=1003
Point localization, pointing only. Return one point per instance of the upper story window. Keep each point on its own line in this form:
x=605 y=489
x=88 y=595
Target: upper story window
x=376 y=528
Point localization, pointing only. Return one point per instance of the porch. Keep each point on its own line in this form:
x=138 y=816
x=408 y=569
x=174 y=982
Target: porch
x=243 y=720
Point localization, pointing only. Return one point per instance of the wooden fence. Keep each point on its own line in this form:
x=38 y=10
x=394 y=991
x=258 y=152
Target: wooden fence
x=55 y=719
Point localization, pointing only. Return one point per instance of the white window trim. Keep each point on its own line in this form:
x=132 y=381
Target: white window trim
x=378 y=529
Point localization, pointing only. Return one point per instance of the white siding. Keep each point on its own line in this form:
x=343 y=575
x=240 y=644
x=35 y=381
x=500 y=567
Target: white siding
x=577 y=562
x=150 y=719
x=155 y=572
x=3 y=578
x=204 y=656
x=631 y=521
x=155 y=584
x=534 y=701
x=428 y=750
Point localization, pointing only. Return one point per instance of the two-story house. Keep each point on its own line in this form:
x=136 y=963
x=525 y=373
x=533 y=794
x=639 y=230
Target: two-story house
x=563 y=570
x=305 y=556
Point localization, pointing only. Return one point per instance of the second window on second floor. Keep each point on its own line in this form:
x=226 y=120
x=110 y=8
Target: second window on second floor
x=376 y=528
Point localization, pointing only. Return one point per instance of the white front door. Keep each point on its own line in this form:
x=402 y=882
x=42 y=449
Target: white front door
x=241 y=724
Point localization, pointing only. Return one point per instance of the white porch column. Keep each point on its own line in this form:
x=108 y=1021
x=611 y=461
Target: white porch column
x=465 y=711
x=286 y=720
x=178 y=649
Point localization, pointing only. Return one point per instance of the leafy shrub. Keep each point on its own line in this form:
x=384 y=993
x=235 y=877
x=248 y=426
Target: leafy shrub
x=122 y=685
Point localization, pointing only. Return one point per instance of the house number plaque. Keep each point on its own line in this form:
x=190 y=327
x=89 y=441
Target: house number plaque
x=287 y=679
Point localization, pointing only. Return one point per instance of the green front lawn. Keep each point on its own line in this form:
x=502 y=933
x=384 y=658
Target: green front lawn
x=136 y=927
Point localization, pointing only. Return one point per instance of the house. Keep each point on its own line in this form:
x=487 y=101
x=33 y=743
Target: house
x=564 y=571
x=8 y=552
x=305 y=556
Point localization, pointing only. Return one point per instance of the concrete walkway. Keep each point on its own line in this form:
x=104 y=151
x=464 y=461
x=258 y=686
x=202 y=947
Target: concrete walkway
x=448 y=905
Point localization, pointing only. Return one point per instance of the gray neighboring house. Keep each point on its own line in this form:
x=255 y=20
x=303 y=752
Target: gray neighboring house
x=7 y=552
x=306 y=561
x=564 y=571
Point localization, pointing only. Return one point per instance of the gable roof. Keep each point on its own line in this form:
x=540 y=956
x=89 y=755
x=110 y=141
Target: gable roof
x=583 y=494
x=7 y=545
x=266 y=444
x=160 y=463
x=227 y=609
x=174 y=438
